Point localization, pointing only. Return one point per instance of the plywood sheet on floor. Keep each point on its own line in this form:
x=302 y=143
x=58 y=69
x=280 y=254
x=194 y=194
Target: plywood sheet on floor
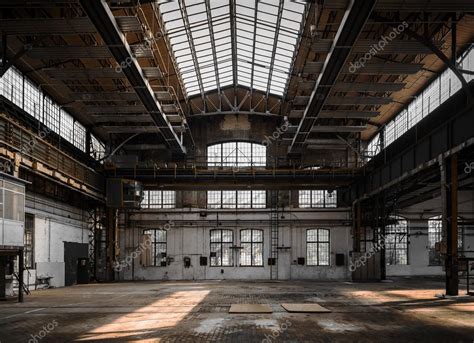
x=305 y=308
x=250 y=308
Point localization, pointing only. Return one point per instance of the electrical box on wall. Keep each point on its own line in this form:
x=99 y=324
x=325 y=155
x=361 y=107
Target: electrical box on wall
x=203 y=260
x=340 y=260
x=124 y=193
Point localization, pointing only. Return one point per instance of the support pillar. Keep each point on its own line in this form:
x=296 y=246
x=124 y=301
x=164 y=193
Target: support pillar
x=449 y=194
x=357 y=226
x=383 y=215
x=21 y=269
x=110 y=239
x=3 y=284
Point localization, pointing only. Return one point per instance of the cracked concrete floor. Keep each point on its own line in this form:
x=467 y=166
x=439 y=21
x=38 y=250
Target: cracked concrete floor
x=405 y=310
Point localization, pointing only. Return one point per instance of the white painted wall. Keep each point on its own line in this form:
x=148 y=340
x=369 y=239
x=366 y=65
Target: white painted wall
x=190 y=237
x=418 y=250
x=54 y=224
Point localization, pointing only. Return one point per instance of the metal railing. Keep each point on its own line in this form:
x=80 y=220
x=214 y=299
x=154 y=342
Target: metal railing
x=32 y=148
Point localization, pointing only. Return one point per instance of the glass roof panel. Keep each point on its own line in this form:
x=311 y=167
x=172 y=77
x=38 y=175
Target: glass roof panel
x=258 y=42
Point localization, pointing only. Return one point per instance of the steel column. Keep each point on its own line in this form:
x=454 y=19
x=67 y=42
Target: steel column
x=450 y=222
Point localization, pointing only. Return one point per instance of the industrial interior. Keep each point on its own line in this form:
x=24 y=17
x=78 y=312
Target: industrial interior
x=237 y=171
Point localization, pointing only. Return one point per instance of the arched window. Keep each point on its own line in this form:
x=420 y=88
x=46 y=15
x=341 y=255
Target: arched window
x=317 y=247
x=251 y=253
x=396 y=241
x=435 y=235
x=236 y=154
x=221 y=248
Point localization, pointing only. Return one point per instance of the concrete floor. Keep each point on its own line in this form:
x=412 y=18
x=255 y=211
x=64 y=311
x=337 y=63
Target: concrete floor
x=401 y=311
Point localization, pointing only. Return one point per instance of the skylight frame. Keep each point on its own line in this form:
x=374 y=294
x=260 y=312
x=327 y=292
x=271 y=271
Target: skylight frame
x=215 y=48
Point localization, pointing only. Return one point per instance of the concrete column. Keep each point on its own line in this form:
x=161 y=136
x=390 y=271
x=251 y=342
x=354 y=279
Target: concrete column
x=3 y=262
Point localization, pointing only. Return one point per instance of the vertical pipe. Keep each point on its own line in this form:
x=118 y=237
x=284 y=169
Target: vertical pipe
x=21 y=268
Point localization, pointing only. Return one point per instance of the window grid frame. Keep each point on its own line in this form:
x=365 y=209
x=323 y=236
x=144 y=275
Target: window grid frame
x=24 y=93
x=253 y=245
x=158 y=199
x=318 y=243
x=234 y=154
x=311 y=195
x=29 y=241
x=235 y=205
x=221 y=243
x=156 y=246
x=396 y=242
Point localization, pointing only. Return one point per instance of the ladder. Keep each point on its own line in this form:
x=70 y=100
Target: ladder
x=274 y=234
x=17 y=284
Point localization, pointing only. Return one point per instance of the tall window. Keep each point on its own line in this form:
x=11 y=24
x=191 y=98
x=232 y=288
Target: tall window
x=32 y=99
x=97 y=148
x=158 y=246
x=221 y=248
x=67 y=126
x=158 y=199
x=240 y=154
x=317 y=247
x=438 y=91
x=236 y=199
x=29 y=241
x=396 y=242
x=25 y=94
x=251 y=253
x=51 y=114
x=79 y=136
x=317 y=199
x=435 y=235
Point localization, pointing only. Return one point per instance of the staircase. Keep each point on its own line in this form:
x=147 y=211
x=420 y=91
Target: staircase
x=16 y=283
x=274 y=234
x=171 y=107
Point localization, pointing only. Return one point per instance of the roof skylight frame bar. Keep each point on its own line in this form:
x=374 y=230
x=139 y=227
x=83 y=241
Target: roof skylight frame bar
x=298 y=44
x=184 y=15
x=233 y=40
x=268 y=24
x=254 y=42
x=275 y=43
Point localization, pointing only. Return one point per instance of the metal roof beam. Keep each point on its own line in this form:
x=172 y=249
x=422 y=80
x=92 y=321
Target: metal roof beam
x=359 y=100
x=348 y=114
x=106 y=25
x=46 y=26
x=355 y=17
x=335 y=128
x=368 y=87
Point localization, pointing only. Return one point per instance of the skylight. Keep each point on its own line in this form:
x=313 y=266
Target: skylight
x=209 y=42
